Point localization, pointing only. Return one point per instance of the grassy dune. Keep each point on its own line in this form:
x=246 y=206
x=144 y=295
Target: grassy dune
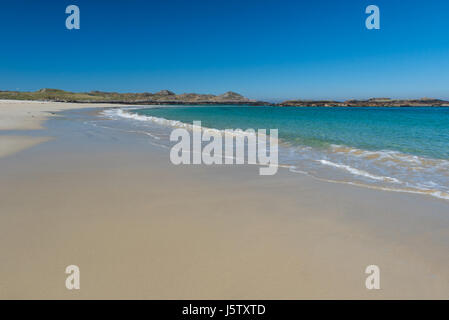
x=163 y=96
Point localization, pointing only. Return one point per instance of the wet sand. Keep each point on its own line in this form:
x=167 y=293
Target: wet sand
x=28 y=115
x=139 y=227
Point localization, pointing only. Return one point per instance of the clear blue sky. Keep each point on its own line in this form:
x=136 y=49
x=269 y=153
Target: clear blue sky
x=264 y=49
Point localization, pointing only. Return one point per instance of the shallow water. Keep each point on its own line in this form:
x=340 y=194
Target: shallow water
x=396 y=149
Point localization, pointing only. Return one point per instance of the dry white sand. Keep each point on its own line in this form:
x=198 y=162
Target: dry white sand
x=29 y=115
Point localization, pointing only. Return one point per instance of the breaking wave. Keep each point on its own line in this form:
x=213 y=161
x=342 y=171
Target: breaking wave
x=383 y=169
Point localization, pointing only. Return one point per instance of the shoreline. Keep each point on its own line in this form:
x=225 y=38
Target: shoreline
x=127 y=113
x=18 y=116
x=29 y=115
x=141 y=228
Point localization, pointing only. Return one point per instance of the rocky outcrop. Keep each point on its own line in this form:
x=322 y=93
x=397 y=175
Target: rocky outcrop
x=165 y=93
x=373 y=102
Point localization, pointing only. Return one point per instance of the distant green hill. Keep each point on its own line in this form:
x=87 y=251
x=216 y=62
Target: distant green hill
x=163 y=97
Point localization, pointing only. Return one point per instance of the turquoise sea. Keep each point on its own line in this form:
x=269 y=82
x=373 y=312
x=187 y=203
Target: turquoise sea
x=397 y=149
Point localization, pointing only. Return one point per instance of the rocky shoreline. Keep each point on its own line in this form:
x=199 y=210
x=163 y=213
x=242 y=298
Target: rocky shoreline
x=374 y=102
x=166 y=97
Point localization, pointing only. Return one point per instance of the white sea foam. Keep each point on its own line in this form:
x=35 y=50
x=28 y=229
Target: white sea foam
x=359 y=172
x=120 y=113
x=393 y=156
x=405 y=172
x=424 y=191
x=428 y=188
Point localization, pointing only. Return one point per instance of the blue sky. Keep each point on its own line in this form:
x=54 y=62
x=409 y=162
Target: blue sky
x=264 y=49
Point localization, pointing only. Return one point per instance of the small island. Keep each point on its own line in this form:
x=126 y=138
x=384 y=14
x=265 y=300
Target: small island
x=373 y=102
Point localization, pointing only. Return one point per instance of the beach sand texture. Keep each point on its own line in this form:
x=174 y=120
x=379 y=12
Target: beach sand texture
x=139 y=227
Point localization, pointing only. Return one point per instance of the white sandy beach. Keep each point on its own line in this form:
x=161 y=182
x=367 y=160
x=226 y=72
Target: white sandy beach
x=139 y=227
x=28 y=115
